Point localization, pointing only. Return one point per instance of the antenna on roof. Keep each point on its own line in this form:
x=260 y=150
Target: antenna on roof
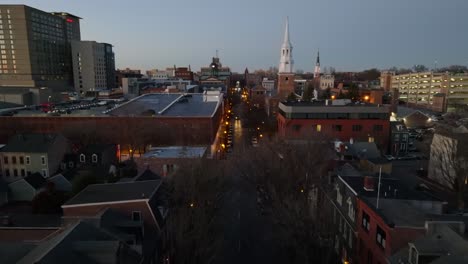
x=378 y=187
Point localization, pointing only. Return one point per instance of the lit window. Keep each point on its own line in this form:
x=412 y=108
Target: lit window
x=94 y=158
x=319 y=128
x=82 y=158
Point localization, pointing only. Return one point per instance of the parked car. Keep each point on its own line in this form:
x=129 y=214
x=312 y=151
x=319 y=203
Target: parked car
x=389 y=157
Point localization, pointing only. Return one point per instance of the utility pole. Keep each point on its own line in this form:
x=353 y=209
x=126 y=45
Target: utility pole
x=378 y=187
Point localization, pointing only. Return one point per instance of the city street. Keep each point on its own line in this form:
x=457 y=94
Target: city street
x=248 y=235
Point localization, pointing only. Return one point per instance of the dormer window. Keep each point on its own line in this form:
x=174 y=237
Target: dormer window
x=82 y=158
x=94 y=158
x=339 y=197
x=351 y=213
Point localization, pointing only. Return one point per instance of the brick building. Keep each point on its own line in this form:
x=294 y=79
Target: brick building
x=158 y=119
x=184 y=73
x=367 y=231
x=337 y=119
x=126 y=73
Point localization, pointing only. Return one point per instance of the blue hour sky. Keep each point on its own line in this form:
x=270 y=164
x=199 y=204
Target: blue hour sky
x=351 y=34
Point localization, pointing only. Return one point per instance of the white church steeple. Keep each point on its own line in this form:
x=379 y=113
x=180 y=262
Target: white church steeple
x=317 y=66
x=286 y=62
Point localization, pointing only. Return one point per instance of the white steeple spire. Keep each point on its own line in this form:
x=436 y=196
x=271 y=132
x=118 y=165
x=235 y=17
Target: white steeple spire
x=286 y=42
x=317 y=65
x=286 y=61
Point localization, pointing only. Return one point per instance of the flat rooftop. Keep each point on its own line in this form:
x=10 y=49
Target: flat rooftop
x=164 y=104
x=321 y=102
x=170 y=105
x=399 y=212
x=176 y=152
x=332 y=106
x=390 y=188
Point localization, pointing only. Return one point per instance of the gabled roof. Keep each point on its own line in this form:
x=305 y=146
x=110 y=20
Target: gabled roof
x=35 y=180
x=147 y=175
x=33 y=143
x=115 y=192
x=79 y=243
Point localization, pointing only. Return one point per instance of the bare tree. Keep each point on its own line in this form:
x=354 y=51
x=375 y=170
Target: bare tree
x=289 y=174
x=449 y=163
x=196 y=191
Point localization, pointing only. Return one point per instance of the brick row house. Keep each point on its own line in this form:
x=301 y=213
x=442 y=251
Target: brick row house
x=368 y=231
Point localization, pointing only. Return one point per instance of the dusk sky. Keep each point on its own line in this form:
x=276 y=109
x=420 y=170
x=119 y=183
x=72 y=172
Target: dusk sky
x=351 y=34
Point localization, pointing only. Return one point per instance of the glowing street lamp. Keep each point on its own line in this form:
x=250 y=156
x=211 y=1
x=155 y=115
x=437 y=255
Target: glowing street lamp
x=366 y=98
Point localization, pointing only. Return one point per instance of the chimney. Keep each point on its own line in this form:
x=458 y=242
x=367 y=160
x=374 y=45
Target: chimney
x=368 y=183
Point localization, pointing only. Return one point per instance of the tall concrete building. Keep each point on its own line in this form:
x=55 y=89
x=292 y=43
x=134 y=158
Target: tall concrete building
x=93 y=66
x=35 y=49
x=286 y=66
x=437 y=91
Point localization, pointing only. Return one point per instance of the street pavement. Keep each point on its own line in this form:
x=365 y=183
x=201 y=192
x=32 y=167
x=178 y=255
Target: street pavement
x=248 y=235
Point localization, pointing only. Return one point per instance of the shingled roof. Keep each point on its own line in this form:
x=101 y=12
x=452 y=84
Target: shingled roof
x=32 y=143
x=114 y=192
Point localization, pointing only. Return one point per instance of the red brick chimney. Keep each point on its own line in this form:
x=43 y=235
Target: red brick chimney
x=368 y=183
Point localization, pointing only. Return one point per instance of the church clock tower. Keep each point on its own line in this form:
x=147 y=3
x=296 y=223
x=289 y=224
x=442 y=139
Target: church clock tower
x=286 y=66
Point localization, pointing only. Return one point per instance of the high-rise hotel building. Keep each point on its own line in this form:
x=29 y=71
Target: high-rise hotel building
x=35 y=49
x=438 y=91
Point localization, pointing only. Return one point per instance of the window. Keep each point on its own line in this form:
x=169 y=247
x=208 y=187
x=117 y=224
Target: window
x=28 y=160
x=351 y=213
x=21 y=160
x=136 y=216
x=43 y=160
x=357 y=128
x=319 y=128
x=365 y=221
x=15 y=172
x=337 y=128
x=405 y=137
x=82 y=158
x=23 y=173
x=350 y=238
x=339 y=197
x=396 y=137
x=13 y=159
x=94 y=158
x=402 y=146
x=28 y=173
x=380 y=237
x=7 y=173
x=44 y=173
x=5 y=160
x=70 y=164
x=378 y=128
